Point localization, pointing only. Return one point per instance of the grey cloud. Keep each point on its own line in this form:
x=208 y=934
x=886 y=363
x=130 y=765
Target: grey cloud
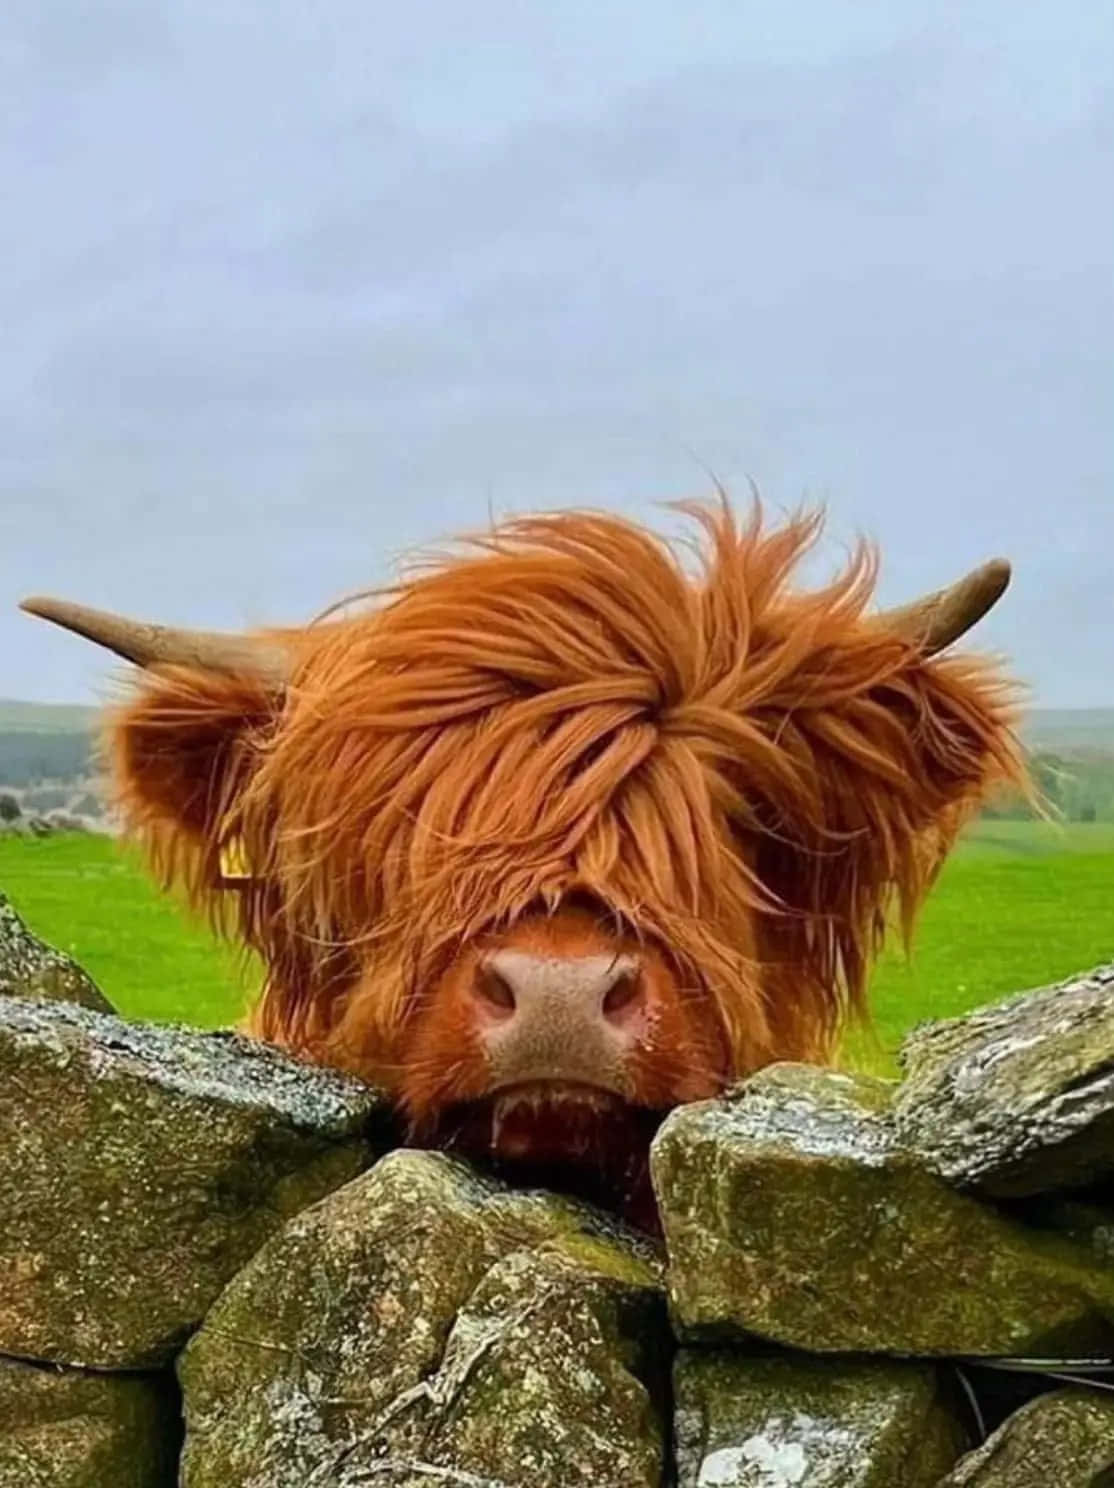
x=72 y=40
x=268 y=320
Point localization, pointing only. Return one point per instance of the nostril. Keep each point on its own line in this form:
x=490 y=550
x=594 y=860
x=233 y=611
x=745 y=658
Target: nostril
x=624 y=997
x=494 y=993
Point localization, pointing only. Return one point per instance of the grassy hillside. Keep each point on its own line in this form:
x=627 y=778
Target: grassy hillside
x=1018 y=905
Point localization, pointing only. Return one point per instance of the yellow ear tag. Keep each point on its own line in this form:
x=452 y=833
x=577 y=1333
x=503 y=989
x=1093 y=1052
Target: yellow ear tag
x=234 y=864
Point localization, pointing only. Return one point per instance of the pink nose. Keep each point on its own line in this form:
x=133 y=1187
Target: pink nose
x=559 y=1018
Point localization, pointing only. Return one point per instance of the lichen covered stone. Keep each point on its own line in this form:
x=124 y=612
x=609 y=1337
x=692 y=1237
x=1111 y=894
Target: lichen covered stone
x=31 y=968
x=791 y=1211
x=142 y=1167
x=64 y=1429
x=1061 y=1440
x=1017 y=1098
x=425 y=1324
x=748 y=1422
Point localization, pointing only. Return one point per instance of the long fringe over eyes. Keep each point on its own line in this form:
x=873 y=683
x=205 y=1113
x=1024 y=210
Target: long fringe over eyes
x=753 y=775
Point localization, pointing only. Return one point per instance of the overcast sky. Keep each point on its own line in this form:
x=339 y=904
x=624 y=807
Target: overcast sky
x=288 y=288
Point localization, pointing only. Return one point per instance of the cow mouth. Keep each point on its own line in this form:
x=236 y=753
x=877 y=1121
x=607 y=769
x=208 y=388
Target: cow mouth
x=575 y=1138
x=537 y=1096
x=554 y=1120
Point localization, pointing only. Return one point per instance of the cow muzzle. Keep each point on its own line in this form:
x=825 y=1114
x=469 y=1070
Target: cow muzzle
x=555 y=1020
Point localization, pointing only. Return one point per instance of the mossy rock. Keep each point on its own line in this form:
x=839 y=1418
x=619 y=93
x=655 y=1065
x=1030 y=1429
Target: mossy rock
x=750 y=1422
x=425 y=1324
x=31 y=968
x=792 y=1212
x=142 y=1167
x=65 y=1429
x=1017 y=1098
x=1061 y=1440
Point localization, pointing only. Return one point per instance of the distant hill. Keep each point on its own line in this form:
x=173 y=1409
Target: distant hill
x=1071 y=731
x=44 y=741
x=1057 y=730
x=52 y=741
x=46 y=718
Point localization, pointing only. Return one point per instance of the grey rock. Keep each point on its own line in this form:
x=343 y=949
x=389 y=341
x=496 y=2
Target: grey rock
x=1061 y=1440
x=774 y=1422
x=88 y=804
x=426 y=1325
x=31 y=968
x=64 y=1429
x=142 y=1167
x=1017 y=1098
x=790 y=1211
x=67 y=821
x=43 y=798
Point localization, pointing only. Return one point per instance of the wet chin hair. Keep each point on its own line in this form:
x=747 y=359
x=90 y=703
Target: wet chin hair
x=587 y=1144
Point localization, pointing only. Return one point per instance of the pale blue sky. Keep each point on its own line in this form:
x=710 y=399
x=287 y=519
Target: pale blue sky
x=288 y=288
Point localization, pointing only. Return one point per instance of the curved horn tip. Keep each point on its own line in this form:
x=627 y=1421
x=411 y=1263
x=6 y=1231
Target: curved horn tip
x=936 y=621
x=49 y=607
x=996 y=572
x=985 y=586
x=62 y=612
x=37 y=604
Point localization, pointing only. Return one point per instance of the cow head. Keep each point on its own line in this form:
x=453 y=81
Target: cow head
x=562 y=831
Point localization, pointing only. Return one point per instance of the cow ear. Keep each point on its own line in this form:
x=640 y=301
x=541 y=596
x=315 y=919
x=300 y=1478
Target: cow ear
x=899 y=766
x=180 y=752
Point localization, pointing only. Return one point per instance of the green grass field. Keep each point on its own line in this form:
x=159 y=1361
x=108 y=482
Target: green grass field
x=89 y=897
x=1019 y=904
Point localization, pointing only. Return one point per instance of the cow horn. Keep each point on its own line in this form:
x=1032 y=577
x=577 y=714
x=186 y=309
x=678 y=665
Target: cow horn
x=938 y=619
x=155 y=645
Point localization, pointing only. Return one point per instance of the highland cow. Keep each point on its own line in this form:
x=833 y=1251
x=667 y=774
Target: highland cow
x=563 y=830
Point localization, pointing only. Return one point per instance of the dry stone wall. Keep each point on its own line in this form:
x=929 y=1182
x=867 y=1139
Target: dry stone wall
x=219 y=1269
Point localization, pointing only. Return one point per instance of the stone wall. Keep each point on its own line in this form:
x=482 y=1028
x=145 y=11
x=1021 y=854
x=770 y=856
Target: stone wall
x=49 y=810
x=218 y=1269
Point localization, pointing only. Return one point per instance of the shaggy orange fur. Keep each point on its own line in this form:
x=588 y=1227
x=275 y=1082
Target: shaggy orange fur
x=741 y=775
